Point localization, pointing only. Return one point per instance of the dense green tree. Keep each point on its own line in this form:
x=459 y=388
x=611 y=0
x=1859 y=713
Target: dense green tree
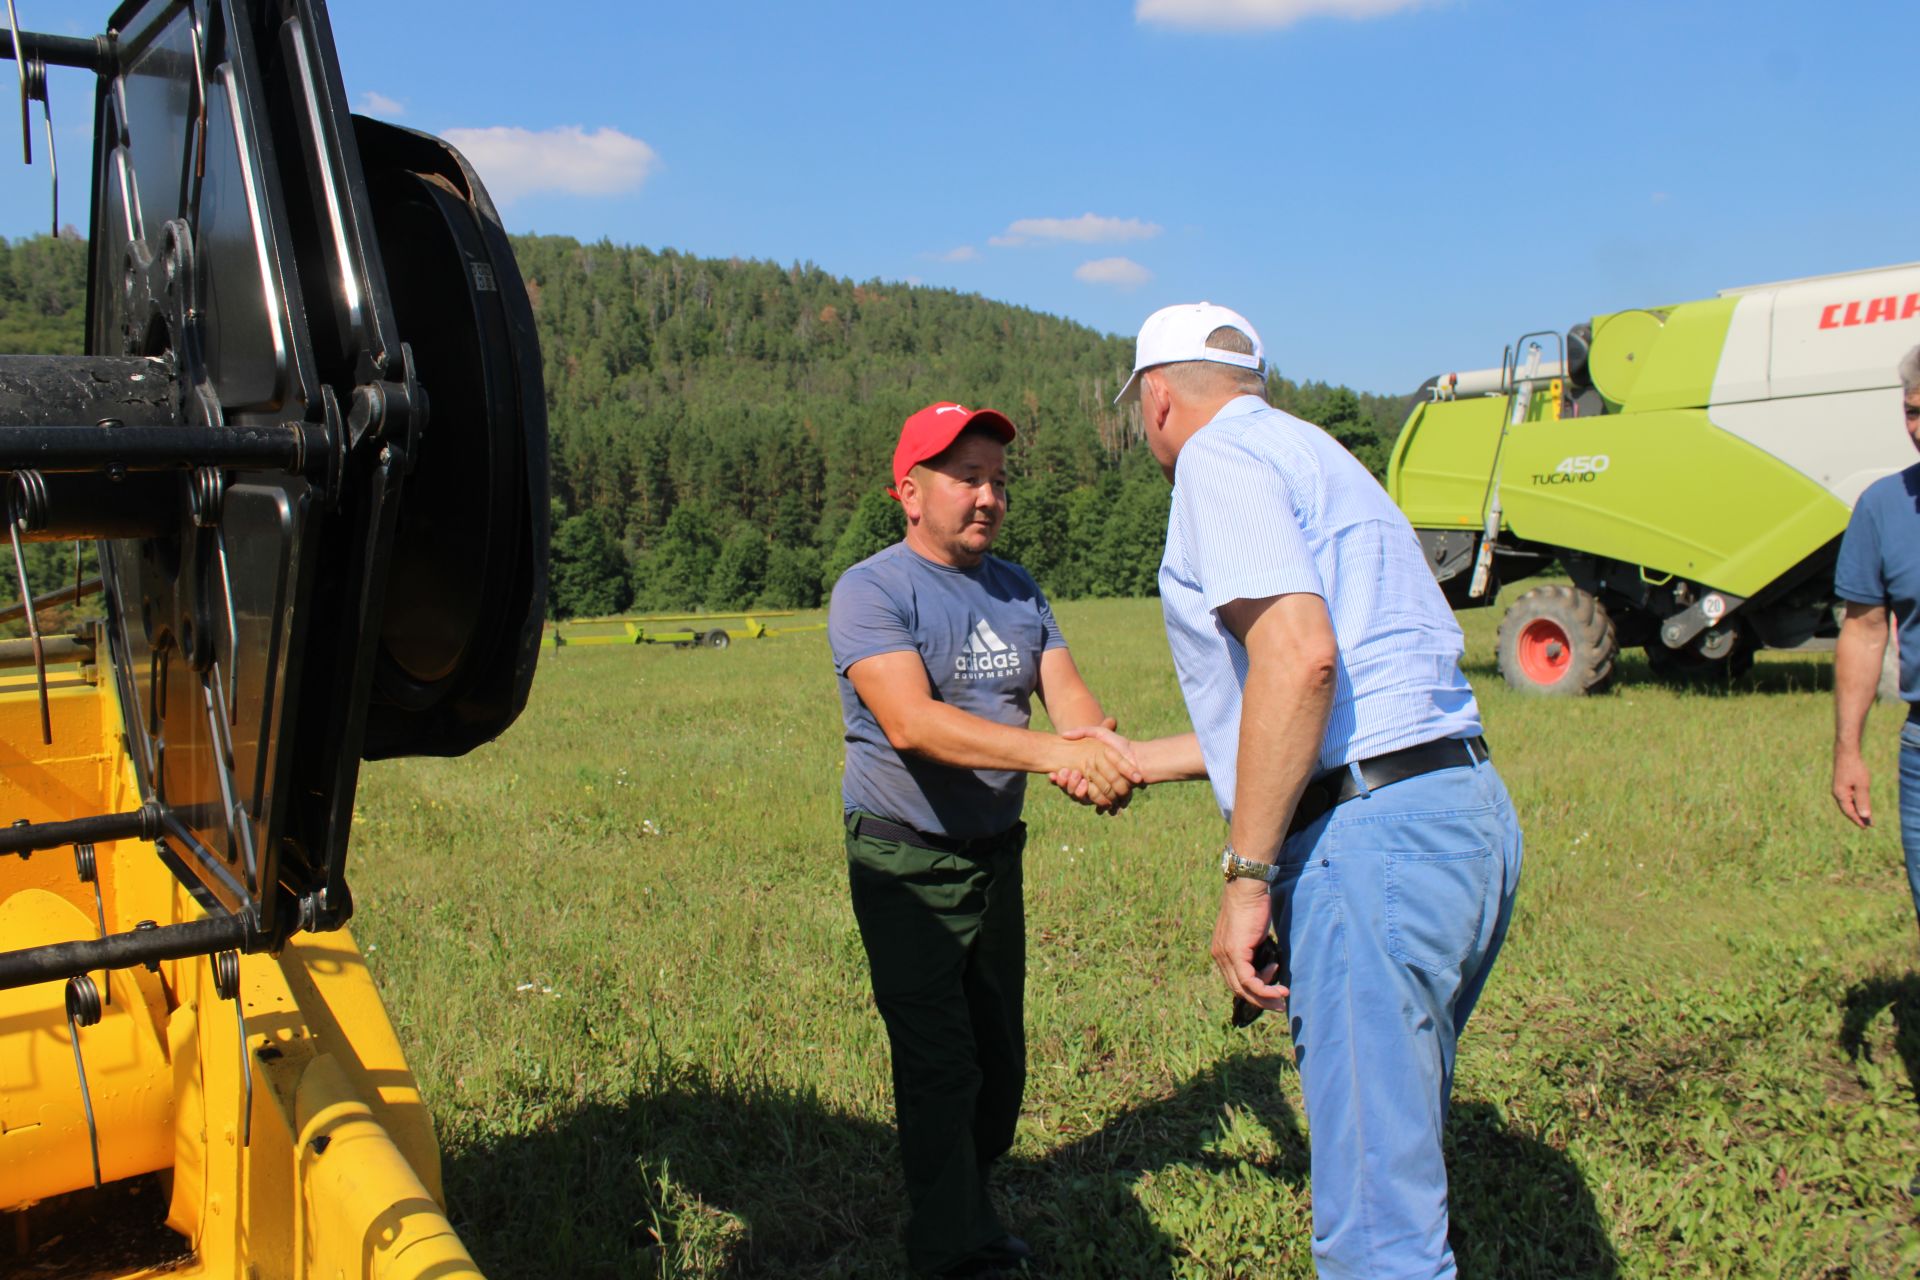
x=676 y=570
x=588 y=578
x=793 y=577
x=877 y=523
x=739 y=571
x=689 y=397
x=43 y=295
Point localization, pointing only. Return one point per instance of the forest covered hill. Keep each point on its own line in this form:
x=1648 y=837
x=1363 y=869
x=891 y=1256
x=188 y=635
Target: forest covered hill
x=722 y=429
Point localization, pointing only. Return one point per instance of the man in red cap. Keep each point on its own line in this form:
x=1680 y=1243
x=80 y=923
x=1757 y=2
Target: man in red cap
x=940 y=648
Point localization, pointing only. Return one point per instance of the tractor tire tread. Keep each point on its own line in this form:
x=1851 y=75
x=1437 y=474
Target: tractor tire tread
x=1588 y=625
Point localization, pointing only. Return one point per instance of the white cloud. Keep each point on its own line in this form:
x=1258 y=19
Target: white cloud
x=1088 y=228
x=1122 y=273
x=1239 y=15
x=959 y=253
x=379 y=104
x=515 y=162
x=1658 y=197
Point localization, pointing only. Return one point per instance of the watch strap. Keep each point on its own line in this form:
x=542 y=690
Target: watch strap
x=1235 y=867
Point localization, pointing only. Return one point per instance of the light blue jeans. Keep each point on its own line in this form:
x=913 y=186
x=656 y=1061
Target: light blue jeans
x=1910 y=805
x=1390 y=911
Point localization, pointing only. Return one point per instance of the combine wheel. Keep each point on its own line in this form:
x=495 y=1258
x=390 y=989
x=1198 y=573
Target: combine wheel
x=1558 y=641
x=716 y=639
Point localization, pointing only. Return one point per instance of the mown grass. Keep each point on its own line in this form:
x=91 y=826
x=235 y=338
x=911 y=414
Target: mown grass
x=618 y=948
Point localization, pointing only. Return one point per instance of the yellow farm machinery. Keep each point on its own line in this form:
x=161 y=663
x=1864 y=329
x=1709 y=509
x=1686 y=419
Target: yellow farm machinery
x=307 y=447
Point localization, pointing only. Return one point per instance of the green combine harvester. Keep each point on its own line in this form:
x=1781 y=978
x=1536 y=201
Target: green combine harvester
x=1691 y=468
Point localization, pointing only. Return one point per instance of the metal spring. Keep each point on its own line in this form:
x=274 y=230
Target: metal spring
x=28 y=504
x=226 y=984
x=34 y=72
x=83 y=1010
x=29 y=81
x=33 y=88
x=226 y=974
x=21 y=508
x=88 y=867
x=83 y=1000
x=207 y=493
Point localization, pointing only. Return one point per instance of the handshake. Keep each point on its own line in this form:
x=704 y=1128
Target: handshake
x=1096 y=766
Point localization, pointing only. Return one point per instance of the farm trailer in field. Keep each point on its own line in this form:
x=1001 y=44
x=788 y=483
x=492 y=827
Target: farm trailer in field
x=1690 y=467
x=707 y=630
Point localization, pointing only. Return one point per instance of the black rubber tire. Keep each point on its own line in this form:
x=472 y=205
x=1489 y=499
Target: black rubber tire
x=716 y=640
x=1688 y=666
x=1589 y=631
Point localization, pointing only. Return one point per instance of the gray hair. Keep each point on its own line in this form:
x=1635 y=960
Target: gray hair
x=1910 y=371
x=1212 y=377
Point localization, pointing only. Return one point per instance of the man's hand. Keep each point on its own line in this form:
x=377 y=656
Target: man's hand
x=1095 y=771
x=1245 y=912
x=1850 y=788
x=1174 y=759
x=1077 y=784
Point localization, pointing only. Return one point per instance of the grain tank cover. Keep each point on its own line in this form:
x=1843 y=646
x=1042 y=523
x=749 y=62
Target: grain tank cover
x=1621 y=344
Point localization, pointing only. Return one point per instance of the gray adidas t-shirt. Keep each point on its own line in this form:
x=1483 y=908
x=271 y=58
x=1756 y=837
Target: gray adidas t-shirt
x=980 y=632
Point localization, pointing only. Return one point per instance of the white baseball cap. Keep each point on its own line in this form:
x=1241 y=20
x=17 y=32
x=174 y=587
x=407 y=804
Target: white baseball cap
x=1179 y=333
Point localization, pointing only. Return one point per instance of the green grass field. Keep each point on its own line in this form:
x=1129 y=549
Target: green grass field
x=618 y=948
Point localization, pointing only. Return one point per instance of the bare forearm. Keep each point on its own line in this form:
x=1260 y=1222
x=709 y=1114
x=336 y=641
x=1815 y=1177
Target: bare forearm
x=1856 y=679
x=1079 y=710
x=947 y=735
x=1283 y=717
x=1175 y=759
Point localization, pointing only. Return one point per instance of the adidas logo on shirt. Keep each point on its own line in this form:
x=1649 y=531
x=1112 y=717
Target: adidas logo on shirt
x=985 y=655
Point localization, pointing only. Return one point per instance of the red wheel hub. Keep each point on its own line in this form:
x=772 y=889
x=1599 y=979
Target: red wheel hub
x=1544 y=651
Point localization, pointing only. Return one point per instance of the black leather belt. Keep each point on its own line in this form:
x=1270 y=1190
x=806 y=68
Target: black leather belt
x=1337 y=786
x=880 y=828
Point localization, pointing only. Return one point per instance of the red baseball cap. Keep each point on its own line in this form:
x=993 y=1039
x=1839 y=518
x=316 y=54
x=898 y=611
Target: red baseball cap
x=928 y=433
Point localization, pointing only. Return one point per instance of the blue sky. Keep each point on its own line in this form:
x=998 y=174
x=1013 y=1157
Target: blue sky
x=1387 y=189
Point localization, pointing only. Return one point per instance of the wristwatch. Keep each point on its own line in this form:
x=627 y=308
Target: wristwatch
x=1235 y=867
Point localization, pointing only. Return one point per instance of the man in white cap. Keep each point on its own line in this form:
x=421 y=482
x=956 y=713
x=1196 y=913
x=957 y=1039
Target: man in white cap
x=1321 y=668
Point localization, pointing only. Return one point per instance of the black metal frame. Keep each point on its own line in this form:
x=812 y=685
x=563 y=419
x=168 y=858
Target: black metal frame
x=252 y=511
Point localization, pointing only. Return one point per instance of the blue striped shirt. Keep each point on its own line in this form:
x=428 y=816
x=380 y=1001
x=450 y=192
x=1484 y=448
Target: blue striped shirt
x=1265 y=504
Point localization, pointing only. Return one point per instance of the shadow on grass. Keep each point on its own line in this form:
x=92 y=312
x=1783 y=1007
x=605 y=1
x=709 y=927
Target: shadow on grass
x=690 y=1178
x=1863 y=1004
x=1520 y=1207
x=700 y=1178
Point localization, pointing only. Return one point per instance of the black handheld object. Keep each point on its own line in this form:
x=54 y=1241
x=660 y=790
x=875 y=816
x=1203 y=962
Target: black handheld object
x=1267 y=952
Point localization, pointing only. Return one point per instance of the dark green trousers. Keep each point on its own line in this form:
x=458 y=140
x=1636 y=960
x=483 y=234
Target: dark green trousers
x=947 y=947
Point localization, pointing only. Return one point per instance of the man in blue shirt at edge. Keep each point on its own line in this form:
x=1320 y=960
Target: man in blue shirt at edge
x=939 y=649
x=1878 y=570
x=1320 y=665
